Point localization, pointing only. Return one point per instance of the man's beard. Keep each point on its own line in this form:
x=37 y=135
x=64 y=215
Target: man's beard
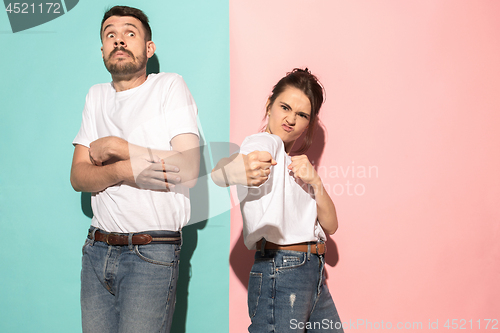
x=125 y=67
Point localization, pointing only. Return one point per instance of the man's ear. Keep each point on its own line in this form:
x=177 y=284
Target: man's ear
x=268 y=105
x=102 y=53
x=150 y=48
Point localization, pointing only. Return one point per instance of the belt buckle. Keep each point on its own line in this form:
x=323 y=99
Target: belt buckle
x=106 y=239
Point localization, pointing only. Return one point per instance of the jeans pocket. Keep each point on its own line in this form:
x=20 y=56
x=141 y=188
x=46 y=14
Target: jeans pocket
x=291 y=261
x=157 y=254
x=87 y=242
x=254 y=290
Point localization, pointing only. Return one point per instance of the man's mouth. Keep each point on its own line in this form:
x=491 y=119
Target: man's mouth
x=120 y=52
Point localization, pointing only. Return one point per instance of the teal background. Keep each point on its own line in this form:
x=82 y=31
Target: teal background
x=46 y=72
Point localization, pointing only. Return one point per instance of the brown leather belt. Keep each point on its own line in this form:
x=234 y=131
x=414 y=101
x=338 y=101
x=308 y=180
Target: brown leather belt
x=137 y=239
x=316 y=248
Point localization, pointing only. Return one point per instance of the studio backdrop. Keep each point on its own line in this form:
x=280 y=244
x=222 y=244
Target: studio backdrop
x=407 y=147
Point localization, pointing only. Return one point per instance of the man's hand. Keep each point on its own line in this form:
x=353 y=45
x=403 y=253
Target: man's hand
x=153 y=174
x=258 y=167
x=108 y=148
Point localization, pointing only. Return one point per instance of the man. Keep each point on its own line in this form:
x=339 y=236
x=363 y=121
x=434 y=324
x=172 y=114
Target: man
x=137 y=151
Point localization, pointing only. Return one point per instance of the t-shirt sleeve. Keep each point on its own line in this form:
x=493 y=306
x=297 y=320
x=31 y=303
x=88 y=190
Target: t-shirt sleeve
x=180 y=109
x=260 y=142
x=86 y=135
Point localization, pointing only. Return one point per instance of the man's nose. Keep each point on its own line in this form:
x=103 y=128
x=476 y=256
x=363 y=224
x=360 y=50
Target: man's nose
x=119 y=42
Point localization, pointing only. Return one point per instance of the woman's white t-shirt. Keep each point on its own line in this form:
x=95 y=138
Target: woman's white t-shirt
x=283 y=209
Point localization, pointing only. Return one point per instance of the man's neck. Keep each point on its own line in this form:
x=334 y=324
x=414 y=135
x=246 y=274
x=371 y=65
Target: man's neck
x=126 y=82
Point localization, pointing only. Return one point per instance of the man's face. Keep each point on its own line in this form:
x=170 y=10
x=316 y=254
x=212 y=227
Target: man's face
x=124 y=48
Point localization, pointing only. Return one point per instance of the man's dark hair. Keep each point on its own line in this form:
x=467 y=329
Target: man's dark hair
x=129 y=11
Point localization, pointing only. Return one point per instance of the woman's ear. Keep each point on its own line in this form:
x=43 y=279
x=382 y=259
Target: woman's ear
x=268 y=107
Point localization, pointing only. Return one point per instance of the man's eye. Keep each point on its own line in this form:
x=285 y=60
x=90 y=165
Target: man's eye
x=111 y=35
x=131 y=34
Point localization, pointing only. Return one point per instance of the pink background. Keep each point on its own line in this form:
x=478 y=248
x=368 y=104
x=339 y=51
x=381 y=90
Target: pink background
x=412 y=90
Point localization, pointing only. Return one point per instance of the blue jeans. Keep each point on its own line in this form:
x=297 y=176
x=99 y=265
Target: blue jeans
x=128 y=288
x=287 y=293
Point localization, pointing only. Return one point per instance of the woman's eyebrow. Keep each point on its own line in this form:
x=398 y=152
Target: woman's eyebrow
x=288 y=106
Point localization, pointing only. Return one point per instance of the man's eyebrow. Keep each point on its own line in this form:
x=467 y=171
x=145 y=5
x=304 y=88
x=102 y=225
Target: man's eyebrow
x=110 y=25
x=132 y=25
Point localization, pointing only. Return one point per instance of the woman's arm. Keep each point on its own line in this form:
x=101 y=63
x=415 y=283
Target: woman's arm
x=327 y=215
x=240 y=169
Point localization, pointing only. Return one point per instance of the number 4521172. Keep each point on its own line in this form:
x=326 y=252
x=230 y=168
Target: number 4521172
x=31 y=8
x=463 y=324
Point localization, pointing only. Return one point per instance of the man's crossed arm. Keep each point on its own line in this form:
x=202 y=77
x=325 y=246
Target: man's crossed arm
x=112 y=160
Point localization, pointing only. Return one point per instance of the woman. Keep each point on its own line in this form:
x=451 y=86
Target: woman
x=286 y=212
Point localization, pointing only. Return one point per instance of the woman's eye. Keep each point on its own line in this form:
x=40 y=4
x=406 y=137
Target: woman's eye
x=284 y=107
x=303 y=115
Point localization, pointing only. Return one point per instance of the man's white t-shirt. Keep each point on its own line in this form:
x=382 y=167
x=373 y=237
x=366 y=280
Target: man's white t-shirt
x=149 y=115
x=283 y=209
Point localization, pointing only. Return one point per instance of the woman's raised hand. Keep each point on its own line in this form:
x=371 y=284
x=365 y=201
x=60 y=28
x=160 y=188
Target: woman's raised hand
x=258 y=167
x=302 y=169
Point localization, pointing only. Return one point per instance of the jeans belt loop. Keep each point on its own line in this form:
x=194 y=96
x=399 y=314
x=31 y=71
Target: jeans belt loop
x=92 y=236
x=309 y=251
x=130 y=245
x=263 y=247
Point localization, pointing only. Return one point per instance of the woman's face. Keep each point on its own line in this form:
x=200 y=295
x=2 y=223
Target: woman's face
x=289 y=116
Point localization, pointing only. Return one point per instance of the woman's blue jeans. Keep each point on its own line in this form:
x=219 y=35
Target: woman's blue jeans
x=128 y=288
x=287 y=293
